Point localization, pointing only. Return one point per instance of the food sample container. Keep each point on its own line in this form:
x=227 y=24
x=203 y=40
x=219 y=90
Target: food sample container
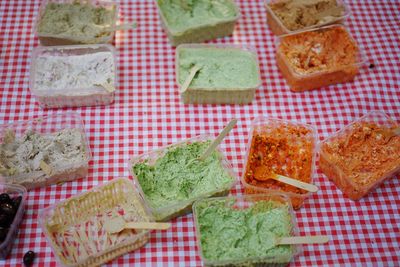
x=74 y=94
x=74 y=227
x=233 y=93
x=47 y=39
x=316 y=58
x=359 y=157
x=199 y=33
x=39 y=177
x=13 y=191
x=241 y=203
x=279 y=147
x=180 y=207
x=278 y=28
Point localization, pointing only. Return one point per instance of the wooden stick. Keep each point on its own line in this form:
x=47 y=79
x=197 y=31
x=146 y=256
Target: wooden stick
x=299 y=184
x=147 y=225
x=109 y=87
x=218 y=140
x=117 y=224
x=317 y=239
x=189 y=78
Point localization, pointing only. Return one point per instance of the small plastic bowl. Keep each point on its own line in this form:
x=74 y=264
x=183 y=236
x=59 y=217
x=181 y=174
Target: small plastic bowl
x=299 y=82
x=261 y=125
x=179 y=208
x=218 y=95
x=48 y=125
x=335 y=172
x=72 y=97
x=240 y=203
x=200 y=33
x=71 y=224
x=277 y=27
x=13 y=191
x=65 y=39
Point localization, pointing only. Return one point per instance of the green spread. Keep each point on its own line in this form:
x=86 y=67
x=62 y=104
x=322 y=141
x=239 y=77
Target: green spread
x=182 y=15
x=179 y=176
x=221 y=68
x=228 y=233
x=82 y=20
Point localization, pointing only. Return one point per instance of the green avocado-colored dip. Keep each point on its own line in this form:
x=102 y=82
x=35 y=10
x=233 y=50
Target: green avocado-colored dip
x=179 y=176
x=182 y=15
x=221 y=68
x=238 y=234
x=76 y=20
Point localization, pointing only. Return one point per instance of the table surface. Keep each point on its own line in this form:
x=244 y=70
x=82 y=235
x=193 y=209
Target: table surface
x=147 y=114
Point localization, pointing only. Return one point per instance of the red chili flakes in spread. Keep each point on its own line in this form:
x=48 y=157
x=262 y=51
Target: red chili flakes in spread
x=286 y=150
x=365 y=154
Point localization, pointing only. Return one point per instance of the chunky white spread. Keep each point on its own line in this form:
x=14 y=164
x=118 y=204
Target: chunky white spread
x=61 y=72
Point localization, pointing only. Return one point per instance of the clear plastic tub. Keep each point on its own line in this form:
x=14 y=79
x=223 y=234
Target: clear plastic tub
x=68 y=39
x=358 y=166
x=180 y=208
x=13 y=191
x=48 y=125
x=277 y=27
x=71 y=96
x=308 y=79
x=245 y=202
x=212 y=95
x=201 y=33
x=74 y=227
x=296 y=146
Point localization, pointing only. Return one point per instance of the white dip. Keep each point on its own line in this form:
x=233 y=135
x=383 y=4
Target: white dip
x=59 y=72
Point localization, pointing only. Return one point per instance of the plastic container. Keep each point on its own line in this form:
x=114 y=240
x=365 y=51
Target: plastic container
x=312 y=80
x=262 y=125
x=68 y=39
x=244 y=202
x=207 y=95
x=48 y=125
x=13 y=191
x=180 y=207
x=351 y=184
x=277 y=27
x=74 y=227
x=72 y=97
x=200 y=33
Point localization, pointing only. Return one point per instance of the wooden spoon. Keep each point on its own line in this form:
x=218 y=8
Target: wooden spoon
x=218 y=140
x=117 y=224
x=189 y=78
x=121 y=27
x=262 y=174
x=293 y=240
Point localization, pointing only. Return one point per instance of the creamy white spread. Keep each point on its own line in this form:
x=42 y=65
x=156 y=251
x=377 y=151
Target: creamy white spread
x=61 y=72
x=28 y=153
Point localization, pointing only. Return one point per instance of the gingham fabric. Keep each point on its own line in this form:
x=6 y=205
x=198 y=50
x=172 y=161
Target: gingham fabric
x=148 y=114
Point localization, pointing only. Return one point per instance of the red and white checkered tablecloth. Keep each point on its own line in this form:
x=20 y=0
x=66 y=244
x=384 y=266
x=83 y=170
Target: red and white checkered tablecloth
x=148 y=114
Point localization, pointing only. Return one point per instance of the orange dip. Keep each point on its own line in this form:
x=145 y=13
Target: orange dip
x=365 y=154
x=328 y=49
x=286 y=150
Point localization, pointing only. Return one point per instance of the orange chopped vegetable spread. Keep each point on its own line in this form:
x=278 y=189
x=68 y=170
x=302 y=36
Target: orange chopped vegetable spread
x=328 y=49
x=285 y=150
x=365 y=154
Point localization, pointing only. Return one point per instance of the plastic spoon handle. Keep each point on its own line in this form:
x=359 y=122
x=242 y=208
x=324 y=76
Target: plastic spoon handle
x=147 y=225
x=218 y=140
x=317 y=239
x=189 y=78
x=296 y=183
